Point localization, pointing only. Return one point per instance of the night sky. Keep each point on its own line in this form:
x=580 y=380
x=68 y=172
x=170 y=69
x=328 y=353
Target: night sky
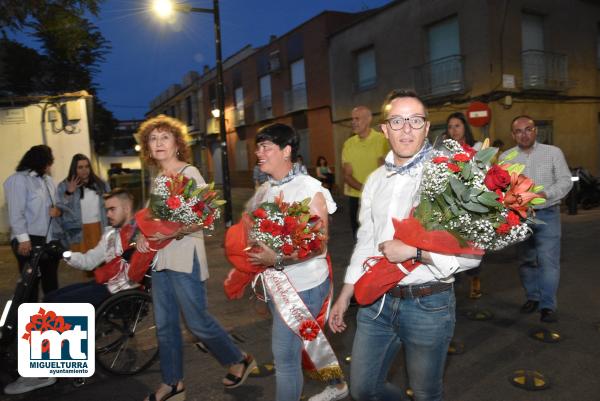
x=148 y=55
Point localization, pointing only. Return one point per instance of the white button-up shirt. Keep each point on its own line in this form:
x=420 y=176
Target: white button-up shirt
x=385 y=196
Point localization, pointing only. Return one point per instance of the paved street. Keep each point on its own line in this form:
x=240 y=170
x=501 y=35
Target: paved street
x=493 y=349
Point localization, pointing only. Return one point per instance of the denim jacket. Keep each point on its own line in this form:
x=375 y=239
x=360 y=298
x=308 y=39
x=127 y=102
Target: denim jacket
x=70 y=220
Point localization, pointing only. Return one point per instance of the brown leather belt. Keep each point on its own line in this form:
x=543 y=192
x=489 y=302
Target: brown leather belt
x=419 y=290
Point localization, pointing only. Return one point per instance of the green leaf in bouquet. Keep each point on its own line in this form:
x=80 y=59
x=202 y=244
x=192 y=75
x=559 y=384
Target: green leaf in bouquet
x=475 y=207
x=459 y=188
x=489 y=199
x=466 y=172
x=461 y=240
x=537 y=188
x=486 y=155
x=218 y=202
x=537 y=201
x=509 y=156
x=189 y=187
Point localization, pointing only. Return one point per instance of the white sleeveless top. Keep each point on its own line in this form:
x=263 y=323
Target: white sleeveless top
x=309 y=274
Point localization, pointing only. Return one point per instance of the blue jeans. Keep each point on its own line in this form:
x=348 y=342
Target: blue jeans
x=287 y=346
x=423 y=326
x=172 y=291
x=91 y=292
x=539 y=258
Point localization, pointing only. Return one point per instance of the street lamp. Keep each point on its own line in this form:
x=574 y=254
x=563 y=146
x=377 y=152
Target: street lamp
x=164 y=9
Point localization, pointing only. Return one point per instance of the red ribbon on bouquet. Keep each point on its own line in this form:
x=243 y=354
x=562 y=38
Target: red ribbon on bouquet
x=381 y=274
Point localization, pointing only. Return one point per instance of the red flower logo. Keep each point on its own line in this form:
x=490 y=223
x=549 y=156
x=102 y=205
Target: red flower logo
x=309 y=329
x=173 y=202
x=496 y=178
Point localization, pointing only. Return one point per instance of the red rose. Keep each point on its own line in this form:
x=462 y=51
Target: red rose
x=315 y=244
x=209 y=220
x=496 y=178
x=503 y=228
x=309 y=330
x=260 y=213
x=470 y=151
x=513 y=219
x=454 y=167
x=276 y=229
x=302 y=253
x=198 y=208
x=173 y=202
x=265 y=226
x=287 y=249
x=462 y=157
x=440 y=159
x=290 y=223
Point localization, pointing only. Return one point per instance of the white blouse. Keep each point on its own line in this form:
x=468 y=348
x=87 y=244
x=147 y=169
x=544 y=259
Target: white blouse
x=309 y=274
x=90 y=209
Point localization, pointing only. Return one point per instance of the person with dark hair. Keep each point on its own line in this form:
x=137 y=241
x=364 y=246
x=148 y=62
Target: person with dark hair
x=180 y=272
x=324 y=173
x=539 y=255
x=460 y=130
x=33 y=214
x=276 y=149
x=417 y=314
x=80 y=194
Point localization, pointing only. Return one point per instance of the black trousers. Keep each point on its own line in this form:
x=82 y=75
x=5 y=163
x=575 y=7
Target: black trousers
x=48 y=267
x=353 y=205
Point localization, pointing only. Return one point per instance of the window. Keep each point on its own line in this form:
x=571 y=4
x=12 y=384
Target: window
x=366 y=74
x=444 y=39
x=189 y=111
x=265 y=87
x=239 y=105
x=532 y=32
x=297 y=69
x=544 y=131
x=304 y=146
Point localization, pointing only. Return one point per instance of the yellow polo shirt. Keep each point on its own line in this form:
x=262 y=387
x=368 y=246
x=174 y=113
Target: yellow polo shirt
x=363 y=155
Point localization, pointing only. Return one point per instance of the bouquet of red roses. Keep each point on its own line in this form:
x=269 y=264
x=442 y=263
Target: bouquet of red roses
x=287 y=227
x=467 y=205
x=177 y=201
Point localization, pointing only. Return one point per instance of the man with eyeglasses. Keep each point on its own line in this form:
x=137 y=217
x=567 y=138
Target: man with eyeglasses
x=539 y=255
x=419 y=313
x=361 y=154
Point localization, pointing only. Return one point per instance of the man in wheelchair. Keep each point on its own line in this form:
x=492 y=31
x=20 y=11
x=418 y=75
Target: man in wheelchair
x=116 y=265
x=121 y=267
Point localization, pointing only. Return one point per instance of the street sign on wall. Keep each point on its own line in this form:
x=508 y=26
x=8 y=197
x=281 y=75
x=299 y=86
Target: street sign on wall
x=479 y=114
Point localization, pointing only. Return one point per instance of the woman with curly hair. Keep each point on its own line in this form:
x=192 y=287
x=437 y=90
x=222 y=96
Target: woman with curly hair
x=180 y=272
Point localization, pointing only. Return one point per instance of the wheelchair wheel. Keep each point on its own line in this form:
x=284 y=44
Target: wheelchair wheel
x=125 y=333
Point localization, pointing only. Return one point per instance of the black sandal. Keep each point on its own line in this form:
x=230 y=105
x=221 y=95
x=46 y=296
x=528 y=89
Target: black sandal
x=174 y=395
x=236 y=381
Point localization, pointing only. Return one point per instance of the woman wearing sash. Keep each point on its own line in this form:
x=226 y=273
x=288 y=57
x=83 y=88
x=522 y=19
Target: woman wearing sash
x=309 y=279
x=180 y=271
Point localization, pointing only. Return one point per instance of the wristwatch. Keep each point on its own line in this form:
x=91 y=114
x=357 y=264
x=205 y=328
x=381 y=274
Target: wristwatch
x=419 y=256
x=278 y=262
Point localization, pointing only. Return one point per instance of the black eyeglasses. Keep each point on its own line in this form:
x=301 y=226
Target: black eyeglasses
x=397 y=123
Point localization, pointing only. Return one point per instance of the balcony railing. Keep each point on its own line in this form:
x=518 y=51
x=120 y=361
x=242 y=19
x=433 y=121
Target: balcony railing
x=239 y=117
x=263 y=109
x=441 y=77
x=295 y=98
x=544 y=70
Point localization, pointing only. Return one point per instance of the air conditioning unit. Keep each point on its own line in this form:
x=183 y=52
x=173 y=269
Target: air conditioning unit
x=274 y=61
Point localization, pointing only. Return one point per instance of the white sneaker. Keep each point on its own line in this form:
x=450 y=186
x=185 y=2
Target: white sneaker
x=26 y=384
x=331 y=393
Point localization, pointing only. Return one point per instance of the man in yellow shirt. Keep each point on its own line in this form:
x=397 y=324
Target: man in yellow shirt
x=362 y=153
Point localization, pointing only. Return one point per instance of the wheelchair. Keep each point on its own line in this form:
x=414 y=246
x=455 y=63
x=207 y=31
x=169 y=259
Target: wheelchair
x=126 y=341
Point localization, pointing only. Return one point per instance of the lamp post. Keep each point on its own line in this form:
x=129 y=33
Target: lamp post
x=165 y=8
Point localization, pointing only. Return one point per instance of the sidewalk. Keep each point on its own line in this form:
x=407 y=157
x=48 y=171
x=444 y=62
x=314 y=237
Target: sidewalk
x=493 y=348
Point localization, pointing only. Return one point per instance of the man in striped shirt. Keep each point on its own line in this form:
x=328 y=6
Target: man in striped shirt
x=539 y=255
